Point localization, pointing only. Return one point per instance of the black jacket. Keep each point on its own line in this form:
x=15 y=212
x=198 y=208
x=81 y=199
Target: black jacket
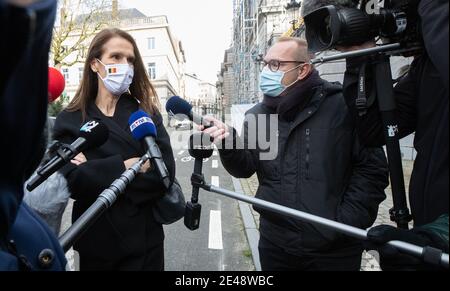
x=320 y=169
x=422 y=107
x=128 y=227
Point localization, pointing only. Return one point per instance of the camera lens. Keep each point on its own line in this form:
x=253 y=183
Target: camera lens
x=325 y=32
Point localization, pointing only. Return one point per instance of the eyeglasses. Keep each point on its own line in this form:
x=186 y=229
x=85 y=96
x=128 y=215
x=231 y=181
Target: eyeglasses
x=274 y=65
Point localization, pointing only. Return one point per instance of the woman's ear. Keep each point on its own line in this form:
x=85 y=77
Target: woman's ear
x=94 y=66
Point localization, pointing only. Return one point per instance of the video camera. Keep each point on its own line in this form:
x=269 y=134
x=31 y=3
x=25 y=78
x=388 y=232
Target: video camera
x=354 y=22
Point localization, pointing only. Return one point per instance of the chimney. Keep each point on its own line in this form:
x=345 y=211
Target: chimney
x=115 y=9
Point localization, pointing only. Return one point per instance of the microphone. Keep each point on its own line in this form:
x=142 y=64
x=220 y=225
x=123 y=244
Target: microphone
x=93 y=134
x=104 y=201
x=200 y=147
x=56 y=84
x=309 y=6
x=143 y=128
x=178 y=106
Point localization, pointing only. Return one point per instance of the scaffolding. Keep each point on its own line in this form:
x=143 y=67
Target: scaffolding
x=245 y=40
x=256 y=25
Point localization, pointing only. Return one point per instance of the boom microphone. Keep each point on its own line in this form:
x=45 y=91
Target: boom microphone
x=177 y=106
x=143 y=128
x=200 y=147
x=92 y=134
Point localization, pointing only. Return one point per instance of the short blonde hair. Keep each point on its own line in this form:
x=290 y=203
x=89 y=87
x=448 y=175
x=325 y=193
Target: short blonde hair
x=303 y=53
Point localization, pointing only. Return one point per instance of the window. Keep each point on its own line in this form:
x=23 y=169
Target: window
x=151 y=43
x=66 y=75
x=152 y=71
x=80 y=74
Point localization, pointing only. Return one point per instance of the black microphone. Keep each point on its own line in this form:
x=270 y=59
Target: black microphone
x=200 y=147
x=143 y=128
x=177 y=106
x=92 y=134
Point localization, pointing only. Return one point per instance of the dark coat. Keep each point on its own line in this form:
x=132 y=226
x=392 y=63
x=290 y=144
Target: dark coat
x=31 y=238
x=422 y=107
x=26 y=37
x=320 y=169
x=128 y=228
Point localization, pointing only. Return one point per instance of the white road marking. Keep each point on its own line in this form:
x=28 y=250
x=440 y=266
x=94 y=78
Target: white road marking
x=215 y=154
x=215 y=181
x=215 y=164
x=215 y=230
x=187 y=159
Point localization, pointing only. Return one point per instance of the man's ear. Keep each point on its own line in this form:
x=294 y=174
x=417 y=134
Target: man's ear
x=305 y=71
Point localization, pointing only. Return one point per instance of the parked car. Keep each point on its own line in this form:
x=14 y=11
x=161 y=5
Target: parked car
x=182 y=125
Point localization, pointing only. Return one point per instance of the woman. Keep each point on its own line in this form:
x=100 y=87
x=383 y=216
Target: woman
x=114 y=86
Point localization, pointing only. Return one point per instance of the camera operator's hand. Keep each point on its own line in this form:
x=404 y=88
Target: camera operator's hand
x=392 y=259
x=366 y=45
x=219 y=131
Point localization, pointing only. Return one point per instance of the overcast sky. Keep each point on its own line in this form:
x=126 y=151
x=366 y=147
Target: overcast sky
x=203 y=26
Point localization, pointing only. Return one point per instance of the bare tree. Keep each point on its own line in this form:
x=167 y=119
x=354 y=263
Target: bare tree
x=78 y=21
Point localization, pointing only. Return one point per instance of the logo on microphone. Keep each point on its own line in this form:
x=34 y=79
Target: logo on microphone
x=139 y=122
x=88 y=127
x=392 y=130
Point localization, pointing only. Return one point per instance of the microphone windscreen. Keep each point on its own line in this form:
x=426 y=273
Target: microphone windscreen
x=56 y=84
x=141 y=125
x=95 y=133
x=177 y=105
x=309 y=6
x=200 y=145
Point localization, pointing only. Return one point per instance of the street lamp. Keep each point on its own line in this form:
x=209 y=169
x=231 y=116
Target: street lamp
x=294 y=6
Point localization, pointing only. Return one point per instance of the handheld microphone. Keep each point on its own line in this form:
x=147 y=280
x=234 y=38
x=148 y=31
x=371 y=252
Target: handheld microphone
x=56 y=84
x=143 y=128
x=92 y=134
x=200 y=147
x=177 y=106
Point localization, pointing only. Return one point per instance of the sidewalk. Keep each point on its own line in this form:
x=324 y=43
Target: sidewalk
x=369 y=263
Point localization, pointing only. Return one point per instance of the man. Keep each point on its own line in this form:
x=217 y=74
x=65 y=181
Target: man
x=319 y=166
x=422 y=102
x=26 y=242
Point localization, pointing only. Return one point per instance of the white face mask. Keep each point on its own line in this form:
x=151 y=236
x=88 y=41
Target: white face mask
x=118 y=78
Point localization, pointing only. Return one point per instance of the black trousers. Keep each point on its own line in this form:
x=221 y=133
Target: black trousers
x=274 y=258
x=153 y=261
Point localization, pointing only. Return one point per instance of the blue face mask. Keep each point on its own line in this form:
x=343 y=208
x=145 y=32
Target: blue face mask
x=271 y=84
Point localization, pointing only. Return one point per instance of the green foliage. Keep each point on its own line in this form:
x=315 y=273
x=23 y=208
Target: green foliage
x=57 y=106
x=247 y=253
